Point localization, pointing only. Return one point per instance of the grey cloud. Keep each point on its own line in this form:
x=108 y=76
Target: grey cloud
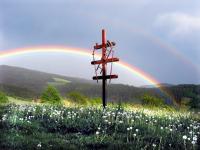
x=78 y=23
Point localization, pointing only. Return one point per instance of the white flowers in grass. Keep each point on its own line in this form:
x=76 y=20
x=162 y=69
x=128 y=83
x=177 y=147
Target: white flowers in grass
x=123 y=119
x=194 y=138
x=39 y=145
x=104 y=117
x=193 y=142
x=120 y=121
x=4 y=117
x=184 y=137
x=97 y=132
x=130 y=128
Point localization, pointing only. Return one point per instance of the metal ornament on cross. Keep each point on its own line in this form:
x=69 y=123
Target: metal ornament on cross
x=106 y=57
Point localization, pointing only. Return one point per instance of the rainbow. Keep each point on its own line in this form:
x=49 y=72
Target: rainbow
x=83 y=52
x=78 y=51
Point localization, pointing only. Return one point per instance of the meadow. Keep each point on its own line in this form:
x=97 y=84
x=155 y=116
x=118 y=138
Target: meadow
x=41 y=126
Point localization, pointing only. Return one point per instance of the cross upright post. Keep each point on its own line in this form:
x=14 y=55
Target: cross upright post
x=104 y=67
x=103 y=63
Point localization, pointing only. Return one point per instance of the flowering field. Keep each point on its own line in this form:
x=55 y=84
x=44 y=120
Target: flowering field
x=57 y=127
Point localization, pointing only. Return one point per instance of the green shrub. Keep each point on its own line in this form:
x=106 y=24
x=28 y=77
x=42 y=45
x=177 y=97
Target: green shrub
x=51 y=96
x=152 y=101
x=96 y=101
x=77 y=97
x=3 y=98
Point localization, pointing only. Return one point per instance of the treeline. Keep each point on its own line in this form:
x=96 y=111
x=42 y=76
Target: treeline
x=115 y=92
x=187 y=95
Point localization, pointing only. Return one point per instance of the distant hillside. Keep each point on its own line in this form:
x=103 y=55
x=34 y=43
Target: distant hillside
x=33 y=80
x=30 y=83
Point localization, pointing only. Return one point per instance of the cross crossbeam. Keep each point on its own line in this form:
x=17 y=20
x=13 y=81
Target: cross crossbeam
x=106 y=61
x=114 y=76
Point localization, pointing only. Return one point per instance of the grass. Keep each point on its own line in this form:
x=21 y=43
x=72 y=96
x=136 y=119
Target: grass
x=61 y=80
x=30 y=126
x=58 y=82
x=19 y=101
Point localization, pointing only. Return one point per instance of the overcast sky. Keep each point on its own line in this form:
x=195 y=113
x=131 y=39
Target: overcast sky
x=160 y=37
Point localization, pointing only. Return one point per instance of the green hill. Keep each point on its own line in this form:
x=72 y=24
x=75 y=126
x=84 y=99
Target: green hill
x=31 y=81
x=28 y=83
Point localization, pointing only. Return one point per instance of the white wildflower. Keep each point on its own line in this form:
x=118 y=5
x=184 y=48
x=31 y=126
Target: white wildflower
x=194 y=138
x=193 y=142
x=97 y=132
x=39 y=145
x=120 y=121
x=184 y=137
